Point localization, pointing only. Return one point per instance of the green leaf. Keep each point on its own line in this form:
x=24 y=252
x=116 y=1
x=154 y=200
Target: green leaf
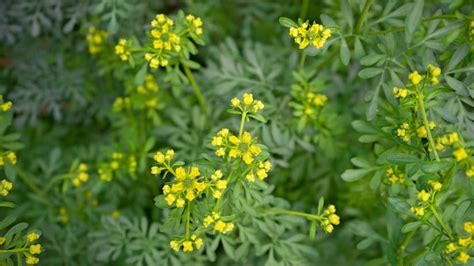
x=351 y=175
x=371 y=59
x=458 y=56
x=457 y=85
x=344 y=52
x=399 y=205
x=413 y=20
x=370 y=72
x=312 y=230
x=7 y=204
x=286 y=22
x=433 y=167
x=140 y=76
x=401 y=158
x=320 y=205
x=411 y=226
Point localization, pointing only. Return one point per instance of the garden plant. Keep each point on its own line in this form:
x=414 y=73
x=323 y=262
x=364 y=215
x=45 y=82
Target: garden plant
x=207 y=132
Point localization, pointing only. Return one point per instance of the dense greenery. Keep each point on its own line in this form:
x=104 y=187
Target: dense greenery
x=290 y=132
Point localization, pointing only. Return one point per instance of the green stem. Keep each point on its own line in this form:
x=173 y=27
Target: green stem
x=302 y=214
x=242 y=123
x=52 y=181
x=403 y=246
x=440 y=221
x=17 y=250
x=302 y=60
x=421 y=102
x=362 y=17
x=27 y=180
x=304 y=9
x=188 y=218
x=196 y=88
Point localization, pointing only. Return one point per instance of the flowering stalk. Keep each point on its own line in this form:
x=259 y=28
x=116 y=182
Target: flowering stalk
x=421 y=102
x=196 y=88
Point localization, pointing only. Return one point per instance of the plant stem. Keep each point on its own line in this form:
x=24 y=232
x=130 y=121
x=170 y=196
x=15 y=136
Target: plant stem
x=28 y=181
x=188 y=218
x=401 y=250
x=440 y=221
x=196 y=88
x=362 y=17
x=304 y=9
x=421 y=102
x=302 y=214
x=17 y=250
x=242 y=123
x=302 y=60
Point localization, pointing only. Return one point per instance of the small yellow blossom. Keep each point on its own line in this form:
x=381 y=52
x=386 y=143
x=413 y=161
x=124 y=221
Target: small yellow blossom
x=463 y=257
x=450 y=248
x=30 y=260
x=460 y=154
x=31 y=237
x=469 y=227
x=434 y=71
x=175 y=245
x=435 y=185
x=421 y=132
x=400 y=92
x=35 y=249
x=423 y=195
x=464 y=242
x=415 y=78
x=5 y=187
x=418 y=211
x=188 y=246
x=198 y=243
x=6 y=106
x=305 y=35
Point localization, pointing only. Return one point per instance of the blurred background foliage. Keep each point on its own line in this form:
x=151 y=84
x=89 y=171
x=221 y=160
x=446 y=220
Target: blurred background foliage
x=63 y=99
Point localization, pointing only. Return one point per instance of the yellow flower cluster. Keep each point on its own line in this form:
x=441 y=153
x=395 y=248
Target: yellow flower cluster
x=187 y=184
x=215 y=220
x=421 y=131
x=234 y=147
x=10 y=157
x=116 y=160
x=329 y=218
x=463 y=245
x=167 y=38
x=403 y=132
x=5 y=187
x=188 y=245
x=314 y=101
x=148 y=92
x=425 y=197
x=400 y=92
x=121 y=103
x=261 y=171
x=95 y=38
x=81 y=175
x=122 y=49
x=432 y=74
x=219 y=185
x=470 y=171
x=395 y=175
x=305 y=35
x=6 y=105
x=248 y=104
x=195 y=24
x=460 y=153
x=33 y=249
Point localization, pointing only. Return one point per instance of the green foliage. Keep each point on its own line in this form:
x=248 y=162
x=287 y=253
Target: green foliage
x=345 y=121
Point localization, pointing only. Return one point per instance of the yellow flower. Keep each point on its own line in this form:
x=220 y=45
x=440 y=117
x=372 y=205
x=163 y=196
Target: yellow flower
x=216 y=194
x=35 y=249
x=247 y=98
x=180 y=203
x=121 y=50
x=220 y=152
x=423 y=195
x=198 y=243
x=435 y=185
x=187 y=246
x=320 y=100
x=460 y=154
x=463 y=257
x=334 y=219
x=431 y=124
x=434 y=71
x=6 y=106
x=470 y=171
x=331 y=209
x=415 y=78
x=450 y=248
x=175 y=245
x=155 y=170
x=305 y=35
x=216 y=141
x=11 y=156
x=220 y=226
x=464 y=242
x=261 y=174
x=221 y=184
x=418 y=211
x=217 y=175
x=115 y=214
x=190 y=195
x=400 y=92
x=208 y=220
x=159 y=157
x=235 y=102
x=250 y=178
x=170 y=198
x=421 y=132
x=5 y=187
x=30 y=260
x=169 y=155
x=328 y=228
x=31 y=237
x=469 y=227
